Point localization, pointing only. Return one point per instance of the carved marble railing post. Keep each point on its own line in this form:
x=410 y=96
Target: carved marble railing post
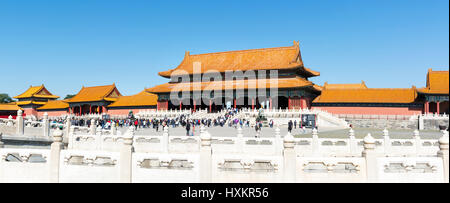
x=387 y=142
x=421 y=123
x=371 y=158
x=126 y=155
x=352 y=142
x=165 y=140
x=315 y=143
x=113 y=128
x=240 y=140
x=443 y=153
x=19 y=123
x=289 y=159
x=71 y=137
x=1 y=143
x=205 y=158
x=417 y=142
x=68 y=125
x=92 y=127
x=55 y=153
x=278 y=141
x=46 y=125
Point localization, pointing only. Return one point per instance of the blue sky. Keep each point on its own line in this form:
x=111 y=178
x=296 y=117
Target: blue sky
x=71 y=43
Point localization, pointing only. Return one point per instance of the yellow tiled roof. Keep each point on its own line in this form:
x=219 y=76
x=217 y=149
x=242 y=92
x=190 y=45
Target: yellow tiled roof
x=437 y=82
x=368 y=95
x=56 y=104
x=9 y=107
x=142 y=99
x=97 y=93
x=236 y=84
x=361 y=85
x=38 y=92
x=253 y=59
x=21 y=103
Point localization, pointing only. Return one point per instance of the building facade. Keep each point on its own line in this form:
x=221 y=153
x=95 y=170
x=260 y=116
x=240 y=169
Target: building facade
x=135 y=103
x=267 y=78
x=33 y=98
x=93 y=100
x=435 y=94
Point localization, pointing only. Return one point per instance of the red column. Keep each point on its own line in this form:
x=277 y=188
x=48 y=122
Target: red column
x=90 y=109
x=301 y=102
x=289 y=102
x=270 y=103
x=194 y=105
x=427 y=106
x=253 y=104
x=104 y=110
x=81 y=111
x=181 y=104
x=210 y=106
x=437 y=107
x=157 y=105
x=234 y=100
x=166 y=104
x=307 y=103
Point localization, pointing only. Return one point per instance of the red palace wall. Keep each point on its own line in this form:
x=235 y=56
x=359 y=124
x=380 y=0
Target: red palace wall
x=162 y=105
x=300 y=102
x=126 y=111
x=52 y=113
x=6 y=114
x=370 y=110
x=30 y=112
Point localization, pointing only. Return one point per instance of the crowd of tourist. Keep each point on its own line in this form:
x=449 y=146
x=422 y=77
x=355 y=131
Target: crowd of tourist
x=158 y=123
x=185 y=121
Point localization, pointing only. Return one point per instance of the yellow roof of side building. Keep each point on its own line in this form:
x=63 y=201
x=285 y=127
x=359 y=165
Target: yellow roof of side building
x=142 y=99
x=361 y=85
x=21 y=103
x=368 y=95
x=54 y=105
x=437 y=82
x=37 y=92
x=97 y=93
x=9 y=107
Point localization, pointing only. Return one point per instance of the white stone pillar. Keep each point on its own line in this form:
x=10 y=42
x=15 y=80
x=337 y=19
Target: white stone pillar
x=55 y=153
x=443 y=153
x=289 y=159
x=352 y=142
x=92 y=127
x=387 y=142
x=68 y=125
x=126 y=155
x=421 y=125
x=19 y=123
x=165 y=140
x=240 y=140
x=315 y=143
x=417 y=142
x=278 y=141
x=113 y=128
x=205 y=158
x=71 y=137
x=1 y=143
x=371 y=158
x=46 y=125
